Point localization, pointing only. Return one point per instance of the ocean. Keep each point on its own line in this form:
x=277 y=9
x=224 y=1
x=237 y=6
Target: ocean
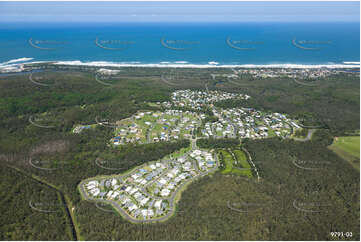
x=183 y=43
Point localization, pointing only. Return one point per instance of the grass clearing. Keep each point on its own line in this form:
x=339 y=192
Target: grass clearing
x=230 y=163
x=348 y=148
x=242 y=158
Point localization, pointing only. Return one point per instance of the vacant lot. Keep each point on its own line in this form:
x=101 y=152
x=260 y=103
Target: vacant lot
x=235 y=162
x=348 y=148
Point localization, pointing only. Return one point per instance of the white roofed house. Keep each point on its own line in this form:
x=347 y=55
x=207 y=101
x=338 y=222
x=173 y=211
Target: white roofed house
x=158 y=204
x=144 y=212
x=128 y=189
x=132 y=207
x=91 y=186
x=165 y=192
x=170 y=186
x=177 y=179
x=126 y=200
x=96 y=183
x=133 y=191
x=135 y=176
x=95 y=191
x=114 y=182
x=144 y=201
x=114 y=195
x=109 y=194
x=162 y=181
x=150 y=213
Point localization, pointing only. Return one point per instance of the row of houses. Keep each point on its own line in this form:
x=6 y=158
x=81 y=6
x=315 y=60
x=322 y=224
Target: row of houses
x=159 y=126
x=205 y=159
x=250 y=123
x=199 y=99
x=301 y=73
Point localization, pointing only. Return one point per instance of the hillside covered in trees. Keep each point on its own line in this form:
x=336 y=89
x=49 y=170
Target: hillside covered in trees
x=216 y=207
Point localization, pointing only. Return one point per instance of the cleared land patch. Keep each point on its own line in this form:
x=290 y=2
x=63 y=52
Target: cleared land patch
x=235 y=162
x=348 y=148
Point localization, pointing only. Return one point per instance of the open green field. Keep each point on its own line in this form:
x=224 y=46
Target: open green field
x=242 y=158
x=232 y=166
x=348 y=148
x=227 y=160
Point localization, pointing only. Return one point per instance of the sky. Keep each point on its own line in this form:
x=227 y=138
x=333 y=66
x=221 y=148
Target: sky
x=179 y=11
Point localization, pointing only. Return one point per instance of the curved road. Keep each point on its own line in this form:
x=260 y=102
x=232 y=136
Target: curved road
x=308 y=137
x=170 y=199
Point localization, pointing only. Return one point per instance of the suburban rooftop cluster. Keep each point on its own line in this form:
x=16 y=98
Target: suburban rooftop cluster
x=290 y=73
x=248 y=123
x=147 y=127
x=199 y=99
x=173 y=124
x=147 y=193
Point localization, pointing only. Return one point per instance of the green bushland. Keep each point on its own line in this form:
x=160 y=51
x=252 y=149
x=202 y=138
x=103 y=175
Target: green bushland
x=18 y=220
x=76 y=98
x=218 y=143
x=301 y=133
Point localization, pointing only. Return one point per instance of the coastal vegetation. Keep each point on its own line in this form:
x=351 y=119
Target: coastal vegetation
x=209 y=209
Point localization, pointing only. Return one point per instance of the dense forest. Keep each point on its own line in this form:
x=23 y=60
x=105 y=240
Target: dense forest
x=272 y=209
x=217 y=143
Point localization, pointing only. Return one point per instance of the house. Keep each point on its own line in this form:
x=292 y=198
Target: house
x=158 y=204
x=109 y=194
x=150 y=213
x=132 y=207
x=210 y=163
x=165 y=192
x=162 y=181
x=144 y=201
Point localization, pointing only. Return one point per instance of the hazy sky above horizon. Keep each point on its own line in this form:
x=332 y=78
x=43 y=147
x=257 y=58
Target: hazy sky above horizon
x=179 y=11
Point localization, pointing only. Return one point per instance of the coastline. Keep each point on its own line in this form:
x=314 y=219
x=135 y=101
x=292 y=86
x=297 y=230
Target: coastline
x=189 y=65
x=19 y=63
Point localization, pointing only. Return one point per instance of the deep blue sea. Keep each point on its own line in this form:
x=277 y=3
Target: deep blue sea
x=196 y=43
